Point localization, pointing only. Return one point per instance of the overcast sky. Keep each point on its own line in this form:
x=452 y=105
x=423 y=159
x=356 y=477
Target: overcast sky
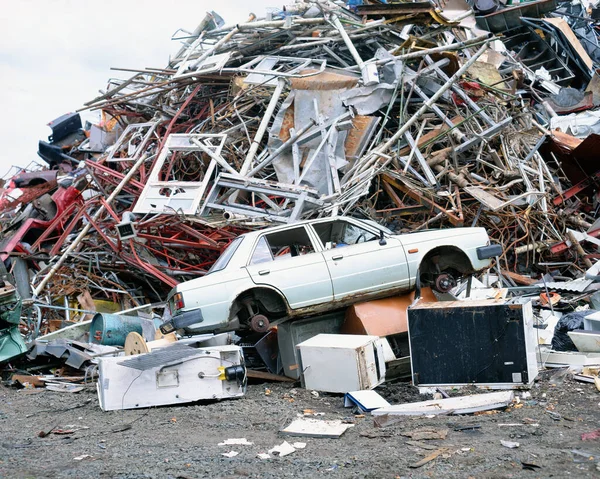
x=56 y=54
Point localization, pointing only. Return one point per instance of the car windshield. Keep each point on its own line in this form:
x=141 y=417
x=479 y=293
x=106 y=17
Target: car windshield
x=223 y=260
x=377 y=225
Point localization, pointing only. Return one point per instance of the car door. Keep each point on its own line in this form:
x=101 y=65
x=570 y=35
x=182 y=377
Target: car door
x=290 y=261
x=357 y=262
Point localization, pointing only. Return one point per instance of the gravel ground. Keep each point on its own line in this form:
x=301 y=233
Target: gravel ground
x=182 y=442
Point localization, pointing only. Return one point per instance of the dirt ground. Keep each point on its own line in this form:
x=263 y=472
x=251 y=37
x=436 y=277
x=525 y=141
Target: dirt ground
x=182 y=442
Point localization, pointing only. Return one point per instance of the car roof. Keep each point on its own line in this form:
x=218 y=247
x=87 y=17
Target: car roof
x=308 y=222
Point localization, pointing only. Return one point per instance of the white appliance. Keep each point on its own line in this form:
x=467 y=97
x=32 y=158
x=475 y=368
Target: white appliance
x=176 y=374
x=486 y=342
x=340 y=363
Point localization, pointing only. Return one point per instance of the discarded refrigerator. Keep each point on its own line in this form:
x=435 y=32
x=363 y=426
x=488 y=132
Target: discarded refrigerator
x=171 y=375
x=485 y=342
x=340 y=363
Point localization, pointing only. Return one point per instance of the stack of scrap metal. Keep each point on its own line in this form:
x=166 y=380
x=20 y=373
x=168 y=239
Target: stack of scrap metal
x=408 y=113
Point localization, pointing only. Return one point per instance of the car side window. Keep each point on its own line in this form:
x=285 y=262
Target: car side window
x=338 y=233
x=262 y=253
x=226 y=256
x=354 y=234
x=282 y=244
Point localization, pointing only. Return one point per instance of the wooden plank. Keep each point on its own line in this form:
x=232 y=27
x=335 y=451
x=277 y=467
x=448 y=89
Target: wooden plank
x=429 y=458
x=23 y=379
x=252 y=373
x=564 y=27
x=519 y=278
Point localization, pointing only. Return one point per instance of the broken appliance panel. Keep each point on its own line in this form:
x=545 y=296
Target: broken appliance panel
x=486 y=342
x=181 y=174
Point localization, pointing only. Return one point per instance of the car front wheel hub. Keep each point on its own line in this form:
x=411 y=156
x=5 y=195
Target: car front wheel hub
x=444 y=283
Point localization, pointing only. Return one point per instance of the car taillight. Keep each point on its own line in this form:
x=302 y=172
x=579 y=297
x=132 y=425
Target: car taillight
x=178 y=301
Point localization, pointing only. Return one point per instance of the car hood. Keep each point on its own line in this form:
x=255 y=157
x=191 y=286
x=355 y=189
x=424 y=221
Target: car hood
x=420 y=236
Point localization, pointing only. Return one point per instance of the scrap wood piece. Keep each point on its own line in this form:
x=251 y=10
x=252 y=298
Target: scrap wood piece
x=566 y=30
x=252 y=373
x=422 y=445
x=591 y=370
x=429 y=458
x=427 y=433
x=375 y=435
x=519 y=278
x=24 y=380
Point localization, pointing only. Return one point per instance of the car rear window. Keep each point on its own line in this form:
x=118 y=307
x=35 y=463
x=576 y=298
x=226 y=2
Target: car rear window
x=223 y=260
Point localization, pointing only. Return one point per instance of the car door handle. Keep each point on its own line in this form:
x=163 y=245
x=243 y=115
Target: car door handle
x=263 y=272
x=336 y=257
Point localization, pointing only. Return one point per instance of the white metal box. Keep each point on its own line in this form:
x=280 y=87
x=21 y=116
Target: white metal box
x=592 y=322
x=292 y=333
x=172 y=375
x=340 y=363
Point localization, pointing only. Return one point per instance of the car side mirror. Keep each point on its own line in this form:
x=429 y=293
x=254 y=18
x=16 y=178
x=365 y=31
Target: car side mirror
x=382 y=241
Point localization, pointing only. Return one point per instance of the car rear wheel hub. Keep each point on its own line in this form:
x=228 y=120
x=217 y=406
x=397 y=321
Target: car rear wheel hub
x=444 y=283
x=259 y=323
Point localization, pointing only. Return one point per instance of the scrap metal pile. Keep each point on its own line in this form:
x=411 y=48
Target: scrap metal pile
x=412 y=114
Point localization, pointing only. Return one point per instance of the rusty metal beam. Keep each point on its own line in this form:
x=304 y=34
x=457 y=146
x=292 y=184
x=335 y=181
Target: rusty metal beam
x=417 y=196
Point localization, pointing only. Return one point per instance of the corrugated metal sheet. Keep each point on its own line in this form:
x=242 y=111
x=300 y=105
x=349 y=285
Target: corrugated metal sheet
x=576 y=286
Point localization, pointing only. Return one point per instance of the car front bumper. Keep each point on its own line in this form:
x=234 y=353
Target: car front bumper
x=489 y=251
